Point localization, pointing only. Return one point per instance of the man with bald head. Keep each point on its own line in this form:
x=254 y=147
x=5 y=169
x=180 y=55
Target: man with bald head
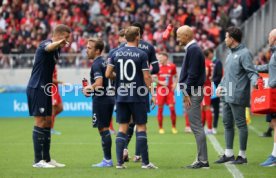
x=191 y=81
x=271 y=69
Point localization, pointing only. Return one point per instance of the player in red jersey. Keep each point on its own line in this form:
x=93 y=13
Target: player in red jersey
x=206 y=112
x=166 y=81
x=57 y=106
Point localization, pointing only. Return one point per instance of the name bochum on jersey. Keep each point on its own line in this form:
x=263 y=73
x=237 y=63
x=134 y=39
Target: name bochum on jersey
x=143 y=46
x=127 y=53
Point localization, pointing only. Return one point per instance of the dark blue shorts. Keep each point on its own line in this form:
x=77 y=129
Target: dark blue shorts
x=138 y=111
x=271 y=116
x=148 y=106
x=102 y=114
x=40 y=104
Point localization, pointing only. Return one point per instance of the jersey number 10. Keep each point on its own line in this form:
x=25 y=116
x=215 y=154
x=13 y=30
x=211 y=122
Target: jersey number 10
x=123 y=69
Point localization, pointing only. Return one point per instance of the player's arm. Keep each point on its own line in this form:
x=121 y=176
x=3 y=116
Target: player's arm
x=155 y=67
x=98 y=84
x=153 y=61
x=55 y=45
x=150 y=86
x=57 y=82
x=175 y=81
x=109 y=73
x=147 y=78
x=207 y=71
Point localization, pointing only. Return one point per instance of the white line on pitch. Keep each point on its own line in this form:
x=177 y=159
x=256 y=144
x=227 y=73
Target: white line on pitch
x=236 y=173
x=254 y=130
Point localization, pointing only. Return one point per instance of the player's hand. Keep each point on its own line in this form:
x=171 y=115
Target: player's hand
x=174 y=86
x=153 y=102
x=63 y=42
x=163 y=83
x=187 y=102
x=87 y=91
x=219 y=91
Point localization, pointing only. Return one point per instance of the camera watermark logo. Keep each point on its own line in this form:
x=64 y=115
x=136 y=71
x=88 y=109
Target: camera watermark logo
x=131 y=89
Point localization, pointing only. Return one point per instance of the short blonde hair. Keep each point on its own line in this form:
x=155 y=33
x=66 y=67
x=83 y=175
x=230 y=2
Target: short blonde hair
x=62 y=28
x=131 y=33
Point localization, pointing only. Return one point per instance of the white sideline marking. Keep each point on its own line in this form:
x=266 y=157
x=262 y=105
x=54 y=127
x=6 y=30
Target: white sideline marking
x=236 y=173
x=254 y=130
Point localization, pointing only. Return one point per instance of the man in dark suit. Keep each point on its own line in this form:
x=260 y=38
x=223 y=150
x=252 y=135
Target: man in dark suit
x=192 y=78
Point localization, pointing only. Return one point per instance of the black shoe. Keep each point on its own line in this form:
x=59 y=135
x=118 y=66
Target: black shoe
x=199 y=165
x=224 y=159
x=126 y=158
x=266 y=134
x=239 y=160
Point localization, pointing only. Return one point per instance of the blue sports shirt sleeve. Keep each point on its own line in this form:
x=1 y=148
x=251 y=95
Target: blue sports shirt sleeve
x=145 y=65
x=97 y=72
x=153 y=61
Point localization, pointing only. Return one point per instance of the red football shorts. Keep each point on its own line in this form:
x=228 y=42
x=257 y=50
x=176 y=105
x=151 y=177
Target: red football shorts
x=168 y=99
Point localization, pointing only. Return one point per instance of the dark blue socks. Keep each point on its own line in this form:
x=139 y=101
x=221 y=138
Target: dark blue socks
x=129 y=133
x=38 y=141
x=142 y=146
x=121 y=140
x=47 y=143
x=106 y=144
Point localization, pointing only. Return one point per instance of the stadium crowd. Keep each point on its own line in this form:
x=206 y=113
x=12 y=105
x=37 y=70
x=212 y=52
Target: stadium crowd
x=24 y=23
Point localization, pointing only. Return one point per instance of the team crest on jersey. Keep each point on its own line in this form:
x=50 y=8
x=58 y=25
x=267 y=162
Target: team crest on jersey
x=94 y=120
x=41 y=110
x=104 y=64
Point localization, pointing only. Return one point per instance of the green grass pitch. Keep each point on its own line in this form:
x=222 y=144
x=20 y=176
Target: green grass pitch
x=79 y=147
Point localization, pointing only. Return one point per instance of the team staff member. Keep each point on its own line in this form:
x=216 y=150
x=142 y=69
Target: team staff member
x=239 y=72
x=193 y=76
x=271 y=69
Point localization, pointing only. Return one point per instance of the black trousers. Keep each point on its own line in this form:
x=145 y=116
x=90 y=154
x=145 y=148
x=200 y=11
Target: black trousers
x=215 y=104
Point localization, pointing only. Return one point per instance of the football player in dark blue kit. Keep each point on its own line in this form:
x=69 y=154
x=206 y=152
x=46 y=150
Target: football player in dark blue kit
x=121 y=40
x=39 y=94
x=152 y=60
x=103 y=98
x=133 y=81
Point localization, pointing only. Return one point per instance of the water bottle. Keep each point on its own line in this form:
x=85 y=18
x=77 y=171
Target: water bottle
x=84 y=82
x=167 y=32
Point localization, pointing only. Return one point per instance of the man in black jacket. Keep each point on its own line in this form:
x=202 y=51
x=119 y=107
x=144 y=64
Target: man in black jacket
x=192 y=78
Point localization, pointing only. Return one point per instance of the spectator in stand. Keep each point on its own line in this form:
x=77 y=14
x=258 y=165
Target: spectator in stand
x=36 y=19
x=205 y=43
x=236 y=14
